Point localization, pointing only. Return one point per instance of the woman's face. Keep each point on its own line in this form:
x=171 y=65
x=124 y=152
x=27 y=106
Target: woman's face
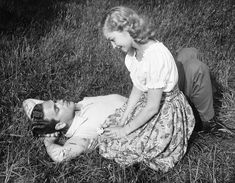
x=119 y=39
x=61 y=110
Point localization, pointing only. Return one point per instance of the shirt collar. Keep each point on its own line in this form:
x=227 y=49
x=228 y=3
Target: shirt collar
x=76 y=123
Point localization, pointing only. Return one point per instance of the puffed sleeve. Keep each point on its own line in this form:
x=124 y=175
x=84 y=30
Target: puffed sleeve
x=128 y=62
x=158 y=66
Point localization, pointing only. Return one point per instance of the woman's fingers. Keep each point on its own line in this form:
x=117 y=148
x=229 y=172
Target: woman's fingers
x=108 y=125
x=105 y=126
x=108 y=132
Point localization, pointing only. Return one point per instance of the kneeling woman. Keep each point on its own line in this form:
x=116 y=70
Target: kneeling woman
x=156 y=122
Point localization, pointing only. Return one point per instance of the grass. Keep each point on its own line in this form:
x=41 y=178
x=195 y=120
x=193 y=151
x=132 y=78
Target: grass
x=54 y=49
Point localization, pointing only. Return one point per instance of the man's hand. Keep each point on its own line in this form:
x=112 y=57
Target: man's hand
x=49 y=141
x=43 y=128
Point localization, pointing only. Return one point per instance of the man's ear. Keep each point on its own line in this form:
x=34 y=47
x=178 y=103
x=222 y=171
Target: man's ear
x=60 y=126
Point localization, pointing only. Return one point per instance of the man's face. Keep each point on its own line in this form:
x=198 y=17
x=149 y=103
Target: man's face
x=60 y=110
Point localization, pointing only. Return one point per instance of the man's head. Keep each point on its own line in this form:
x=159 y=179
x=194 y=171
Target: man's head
x=48 y=116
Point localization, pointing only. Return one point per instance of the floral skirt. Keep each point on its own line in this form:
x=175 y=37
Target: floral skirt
x=159 y=143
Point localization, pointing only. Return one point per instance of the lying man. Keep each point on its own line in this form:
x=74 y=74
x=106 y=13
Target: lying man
x=81 y=122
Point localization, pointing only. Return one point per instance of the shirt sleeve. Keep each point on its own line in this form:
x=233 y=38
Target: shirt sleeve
x=72 y=148
x=128 y=62
x=157 y=67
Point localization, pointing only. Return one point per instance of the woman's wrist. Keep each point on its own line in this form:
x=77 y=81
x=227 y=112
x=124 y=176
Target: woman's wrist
x=127 y=129
x=122 y=122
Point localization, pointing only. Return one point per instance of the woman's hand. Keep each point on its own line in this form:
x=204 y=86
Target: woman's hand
x=123 y=120
x=115 y=132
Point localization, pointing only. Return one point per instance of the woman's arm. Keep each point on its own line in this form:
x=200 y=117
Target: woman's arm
x=151 y=108
x=72 y=148
x=132 y=100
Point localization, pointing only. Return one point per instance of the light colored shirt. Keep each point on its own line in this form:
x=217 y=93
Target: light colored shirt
x=93 y=113
x=84 y=128
x=157 y=69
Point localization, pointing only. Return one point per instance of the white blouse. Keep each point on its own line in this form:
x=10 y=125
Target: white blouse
x=157 y=69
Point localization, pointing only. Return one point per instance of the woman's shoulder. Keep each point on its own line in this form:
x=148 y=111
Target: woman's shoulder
x=155 y=45
x=153 y=48
x=129 y=59
x=157 y=50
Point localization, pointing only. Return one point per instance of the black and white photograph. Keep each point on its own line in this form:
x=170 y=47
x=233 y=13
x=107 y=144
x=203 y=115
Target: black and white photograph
x=117 y=91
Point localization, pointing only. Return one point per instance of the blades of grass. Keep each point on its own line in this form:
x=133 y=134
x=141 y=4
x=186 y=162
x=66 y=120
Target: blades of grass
x=198 y=167
x=213 y=167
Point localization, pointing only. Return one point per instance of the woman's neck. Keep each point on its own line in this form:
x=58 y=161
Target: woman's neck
x=140 y=49
x=78 y=107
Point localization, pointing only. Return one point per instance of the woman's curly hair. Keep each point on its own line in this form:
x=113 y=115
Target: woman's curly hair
x=123 y=18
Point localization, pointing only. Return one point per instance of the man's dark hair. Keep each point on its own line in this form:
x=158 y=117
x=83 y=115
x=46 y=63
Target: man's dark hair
x=41 y=126
x=37 y=113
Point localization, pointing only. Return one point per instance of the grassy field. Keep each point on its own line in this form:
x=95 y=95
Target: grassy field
x=54 y=49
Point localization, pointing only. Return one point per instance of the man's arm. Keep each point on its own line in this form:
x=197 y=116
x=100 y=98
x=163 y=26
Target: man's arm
x=72 y=148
